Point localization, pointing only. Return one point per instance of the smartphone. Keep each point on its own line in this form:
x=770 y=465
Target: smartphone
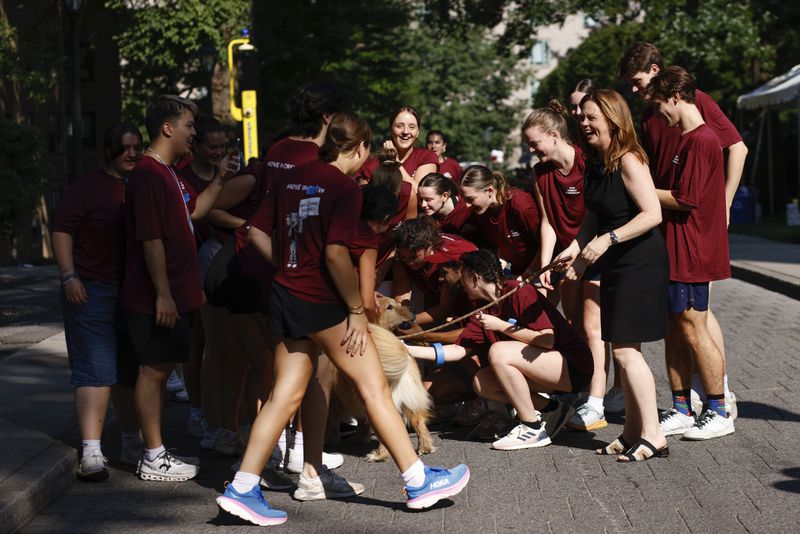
x=235 y=150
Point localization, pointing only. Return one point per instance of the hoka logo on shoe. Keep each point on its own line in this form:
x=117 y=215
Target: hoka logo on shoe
x=439 y=483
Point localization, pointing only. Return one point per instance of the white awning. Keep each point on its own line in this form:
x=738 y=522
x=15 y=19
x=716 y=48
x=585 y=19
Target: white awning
x=775 y=92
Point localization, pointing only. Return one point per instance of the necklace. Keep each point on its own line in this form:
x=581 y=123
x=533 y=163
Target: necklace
x=184 y=196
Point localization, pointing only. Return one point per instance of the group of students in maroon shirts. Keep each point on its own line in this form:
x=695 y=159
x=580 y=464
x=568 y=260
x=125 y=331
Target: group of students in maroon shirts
x=262 y=279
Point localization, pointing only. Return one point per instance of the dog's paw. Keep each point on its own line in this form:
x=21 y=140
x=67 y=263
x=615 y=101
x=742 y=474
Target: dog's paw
x=377 y=455
x=425 y=450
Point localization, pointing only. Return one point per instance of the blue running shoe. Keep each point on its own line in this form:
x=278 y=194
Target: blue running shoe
x=439 y=484
x=250 y=506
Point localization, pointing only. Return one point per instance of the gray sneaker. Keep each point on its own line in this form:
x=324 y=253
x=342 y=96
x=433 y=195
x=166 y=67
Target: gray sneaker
x=328 y=485
x=554 y=419
x=93 y=467
x=166 y=468
x=494 y=426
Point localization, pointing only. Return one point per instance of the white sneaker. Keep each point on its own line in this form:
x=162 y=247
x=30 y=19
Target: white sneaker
x=696 y=402
x=328 y=485
x=674 y=423
x=614 y=401
x=586 y=418
x=93 y=467
x=730 y=406
x=710 y=425
x=197 y=426
x=166 y=468
x=522 y=437
x=295 y=463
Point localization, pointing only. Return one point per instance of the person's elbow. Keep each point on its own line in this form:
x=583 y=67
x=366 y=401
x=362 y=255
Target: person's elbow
x=740 y=149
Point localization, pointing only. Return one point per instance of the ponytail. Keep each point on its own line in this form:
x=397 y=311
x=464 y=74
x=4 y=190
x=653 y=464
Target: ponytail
x=346 y=131
x=481 y=178
x=552 y=118
x=485 y=264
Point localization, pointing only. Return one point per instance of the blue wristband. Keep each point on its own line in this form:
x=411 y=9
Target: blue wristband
x=439 y=354
x=512 y=322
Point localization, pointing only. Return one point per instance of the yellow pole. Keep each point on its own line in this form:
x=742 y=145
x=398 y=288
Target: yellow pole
x=249 y=125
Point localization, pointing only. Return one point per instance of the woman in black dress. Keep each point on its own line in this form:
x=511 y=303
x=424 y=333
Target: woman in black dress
x=620 y=231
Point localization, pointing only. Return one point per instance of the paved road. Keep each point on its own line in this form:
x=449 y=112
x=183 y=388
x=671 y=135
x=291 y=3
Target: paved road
x=747 y=482
x=30 y=309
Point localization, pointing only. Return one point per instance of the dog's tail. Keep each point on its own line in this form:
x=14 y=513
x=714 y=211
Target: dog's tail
x=401 y=371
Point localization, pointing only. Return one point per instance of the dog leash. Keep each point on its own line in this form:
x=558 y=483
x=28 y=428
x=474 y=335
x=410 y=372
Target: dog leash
x=525 y=281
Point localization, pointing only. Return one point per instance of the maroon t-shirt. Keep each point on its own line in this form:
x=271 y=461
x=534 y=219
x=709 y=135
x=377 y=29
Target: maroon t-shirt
x=281 y=158
x=312 y=206
x=417 y=158
x=512 y=230
x=450 y=168
x=250 y=203
x=661 y=142
x=92 y=212
x=157 y=205
x=363 y=239
x=461 y=221
x=697 y=240
x=202 y=229
x=562 y=197
x=451 y=249
x=534 y=313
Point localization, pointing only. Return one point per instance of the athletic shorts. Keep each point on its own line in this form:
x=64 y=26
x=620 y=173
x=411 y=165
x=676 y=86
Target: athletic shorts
x=226 y=286
x=90 y=331
x=155 y=344
x=580 y=380
x=682 y=296
x=294 y=318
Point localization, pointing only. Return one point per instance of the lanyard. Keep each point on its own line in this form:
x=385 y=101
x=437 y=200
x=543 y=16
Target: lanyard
x=181 y=191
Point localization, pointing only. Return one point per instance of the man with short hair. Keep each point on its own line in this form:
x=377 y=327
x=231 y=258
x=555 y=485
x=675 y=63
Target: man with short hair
x=162 y=282
x=640 y=63
x=696 y=235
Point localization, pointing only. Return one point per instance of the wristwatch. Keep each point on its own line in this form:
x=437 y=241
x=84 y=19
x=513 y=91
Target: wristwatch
x=614 y=239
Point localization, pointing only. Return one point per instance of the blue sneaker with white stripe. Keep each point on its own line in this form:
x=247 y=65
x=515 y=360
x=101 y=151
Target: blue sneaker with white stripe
x=250 y=506
x=439 y=484
x=523 y=437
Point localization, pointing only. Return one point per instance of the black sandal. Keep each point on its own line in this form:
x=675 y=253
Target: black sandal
x=630 y=455
x=616 y=447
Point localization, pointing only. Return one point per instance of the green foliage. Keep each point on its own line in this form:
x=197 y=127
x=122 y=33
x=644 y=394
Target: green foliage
x=18 y=68
x=160 y=41
x=718 y=41
x=387 y=54
x=22 y=175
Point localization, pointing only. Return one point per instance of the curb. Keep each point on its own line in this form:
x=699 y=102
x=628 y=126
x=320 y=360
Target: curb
x=41 y=480
x=745 y=273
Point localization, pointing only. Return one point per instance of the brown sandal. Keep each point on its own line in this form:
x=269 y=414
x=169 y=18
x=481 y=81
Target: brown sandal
x=618 y=446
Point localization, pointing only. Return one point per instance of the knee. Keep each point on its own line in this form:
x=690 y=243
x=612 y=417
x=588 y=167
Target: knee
x=373 y=391
x=498 y=356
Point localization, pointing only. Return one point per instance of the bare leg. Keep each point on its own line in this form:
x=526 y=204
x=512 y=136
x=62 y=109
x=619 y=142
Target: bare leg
x=150 y=400
x=293 y=367
x=91 y=403
x=709 y=361
x=487 y=386
x=315 y=415
x=592 y=332
x=641 y=419
x=678 y=357
x=367 y=374
x=572 y=301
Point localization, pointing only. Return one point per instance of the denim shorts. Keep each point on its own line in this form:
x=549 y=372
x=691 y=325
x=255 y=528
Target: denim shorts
x=681 y=296
x=91 y=333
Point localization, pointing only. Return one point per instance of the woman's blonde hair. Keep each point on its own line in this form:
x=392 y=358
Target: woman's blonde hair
x=553 y=118
x=481 y=178
x=623 y=133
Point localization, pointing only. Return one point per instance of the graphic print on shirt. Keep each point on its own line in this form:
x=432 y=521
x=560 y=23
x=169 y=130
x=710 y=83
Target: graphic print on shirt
x=309 y=207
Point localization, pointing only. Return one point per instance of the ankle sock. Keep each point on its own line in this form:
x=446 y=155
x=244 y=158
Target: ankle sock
x=152 y=454
x=716 y=403
x=298 y=441
x=414 y=477
x=129 y=439
x=282 y=443
x=596 y=403
x=244 y=482
x=725 y=389
x=681 y=401
x=89 y=446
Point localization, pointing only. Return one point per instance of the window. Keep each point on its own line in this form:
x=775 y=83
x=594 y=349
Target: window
x=540 y=53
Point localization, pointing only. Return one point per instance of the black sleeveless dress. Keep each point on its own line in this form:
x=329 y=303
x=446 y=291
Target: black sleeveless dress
x=633 y=287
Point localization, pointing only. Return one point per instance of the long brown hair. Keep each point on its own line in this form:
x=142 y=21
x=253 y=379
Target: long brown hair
x=623 y=133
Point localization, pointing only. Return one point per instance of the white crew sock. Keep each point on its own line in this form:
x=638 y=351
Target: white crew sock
x=282 y=443
x=298 y=441
x=151 y=454
x=89 y=446
x=725 y=386
x=415 y=476
x=596 y=403
x=244 y=482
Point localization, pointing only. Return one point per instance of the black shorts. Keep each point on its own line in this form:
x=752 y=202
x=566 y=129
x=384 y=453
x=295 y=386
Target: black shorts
x=155 y=344
x=580 y=380
x=127 y=361
x=294 y=318
x=227 y=286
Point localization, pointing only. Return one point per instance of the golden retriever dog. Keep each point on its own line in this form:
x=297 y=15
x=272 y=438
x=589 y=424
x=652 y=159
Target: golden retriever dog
x=409 y=395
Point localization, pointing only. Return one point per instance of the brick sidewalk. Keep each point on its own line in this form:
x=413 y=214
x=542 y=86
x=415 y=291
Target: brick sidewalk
x=747 y=482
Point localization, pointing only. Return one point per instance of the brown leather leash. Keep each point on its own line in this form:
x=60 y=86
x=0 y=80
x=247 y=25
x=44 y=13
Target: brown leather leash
x=525 y=281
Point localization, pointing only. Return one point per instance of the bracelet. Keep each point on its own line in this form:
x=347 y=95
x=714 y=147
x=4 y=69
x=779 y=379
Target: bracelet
x=355 y=307
x=437 y=347
x=68 y=279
